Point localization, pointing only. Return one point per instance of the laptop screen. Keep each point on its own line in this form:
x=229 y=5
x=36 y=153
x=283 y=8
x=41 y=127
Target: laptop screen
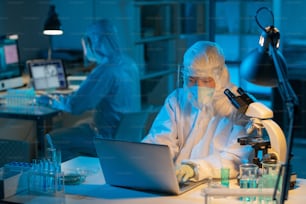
x=47 y=74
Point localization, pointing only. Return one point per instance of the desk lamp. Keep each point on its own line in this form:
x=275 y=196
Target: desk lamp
x=266 y=66
x=52 y=27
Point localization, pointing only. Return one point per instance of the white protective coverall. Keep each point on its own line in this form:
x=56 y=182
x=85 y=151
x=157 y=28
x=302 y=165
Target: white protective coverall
x=111 y=89
x=204 y=137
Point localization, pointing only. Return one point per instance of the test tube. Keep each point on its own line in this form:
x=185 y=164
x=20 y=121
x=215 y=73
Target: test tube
x=225 y=174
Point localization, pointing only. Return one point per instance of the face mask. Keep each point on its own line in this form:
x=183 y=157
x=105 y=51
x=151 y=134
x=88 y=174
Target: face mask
x=87 y=49
x=100 y=57
x=90 y=56
x=203 y=95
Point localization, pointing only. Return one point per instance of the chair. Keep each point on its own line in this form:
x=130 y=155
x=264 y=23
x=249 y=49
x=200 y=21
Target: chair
x=134 y=126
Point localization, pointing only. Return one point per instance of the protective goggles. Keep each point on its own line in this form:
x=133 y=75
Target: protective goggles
x=199 y=81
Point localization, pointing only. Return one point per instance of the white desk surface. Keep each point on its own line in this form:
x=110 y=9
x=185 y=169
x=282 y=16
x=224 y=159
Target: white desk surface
x=94 y=190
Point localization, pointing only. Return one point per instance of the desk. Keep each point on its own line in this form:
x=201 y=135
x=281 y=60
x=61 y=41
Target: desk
x=94 y=190
x=40 y=114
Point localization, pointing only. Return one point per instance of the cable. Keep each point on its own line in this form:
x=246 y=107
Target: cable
x=256 y=17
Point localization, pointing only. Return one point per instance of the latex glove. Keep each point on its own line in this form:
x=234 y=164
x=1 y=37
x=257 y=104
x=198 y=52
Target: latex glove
x=44 y=100
x=55 y=101
x=184 y=172
x=59 y=102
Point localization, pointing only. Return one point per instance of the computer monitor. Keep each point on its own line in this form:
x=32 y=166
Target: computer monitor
x=10 y=66
x=47 y=74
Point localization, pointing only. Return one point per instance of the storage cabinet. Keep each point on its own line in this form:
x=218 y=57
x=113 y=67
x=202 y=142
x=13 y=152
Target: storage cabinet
x=237 y=32
x=235 y=26
x=163 y=31
x=168 y=28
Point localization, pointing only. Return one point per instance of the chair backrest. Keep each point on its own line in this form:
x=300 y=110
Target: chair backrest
x=134 y=126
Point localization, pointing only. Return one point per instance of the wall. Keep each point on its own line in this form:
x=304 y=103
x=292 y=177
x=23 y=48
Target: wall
x=26 y=18
x=293 y=17
x=75 y=16
x=84 y=12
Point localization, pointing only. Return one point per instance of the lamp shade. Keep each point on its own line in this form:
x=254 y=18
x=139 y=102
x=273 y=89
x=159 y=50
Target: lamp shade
x=52 y=25
x=259 y=68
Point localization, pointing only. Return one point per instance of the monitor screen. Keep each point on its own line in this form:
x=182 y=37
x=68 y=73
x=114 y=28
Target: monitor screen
x=47 y=74
x=10 y=67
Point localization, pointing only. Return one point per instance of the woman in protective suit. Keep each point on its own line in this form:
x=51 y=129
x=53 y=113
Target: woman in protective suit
x=111 y=89
x=198 y=122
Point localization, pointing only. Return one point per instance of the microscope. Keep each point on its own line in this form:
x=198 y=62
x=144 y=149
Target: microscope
x=273 y=147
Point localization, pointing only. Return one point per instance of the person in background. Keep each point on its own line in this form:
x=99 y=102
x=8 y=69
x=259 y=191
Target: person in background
x=198 y=122
x=111 y=89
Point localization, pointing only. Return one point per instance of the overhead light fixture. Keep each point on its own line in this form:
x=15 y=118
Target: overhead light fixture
x=52 y=24
x=266 y=66
x=52 y=27
x=13 y=36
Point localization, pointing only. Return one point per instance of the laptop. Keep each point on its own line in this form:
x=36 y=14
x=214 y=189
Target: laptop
x=140 y=166
x=48 y=76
